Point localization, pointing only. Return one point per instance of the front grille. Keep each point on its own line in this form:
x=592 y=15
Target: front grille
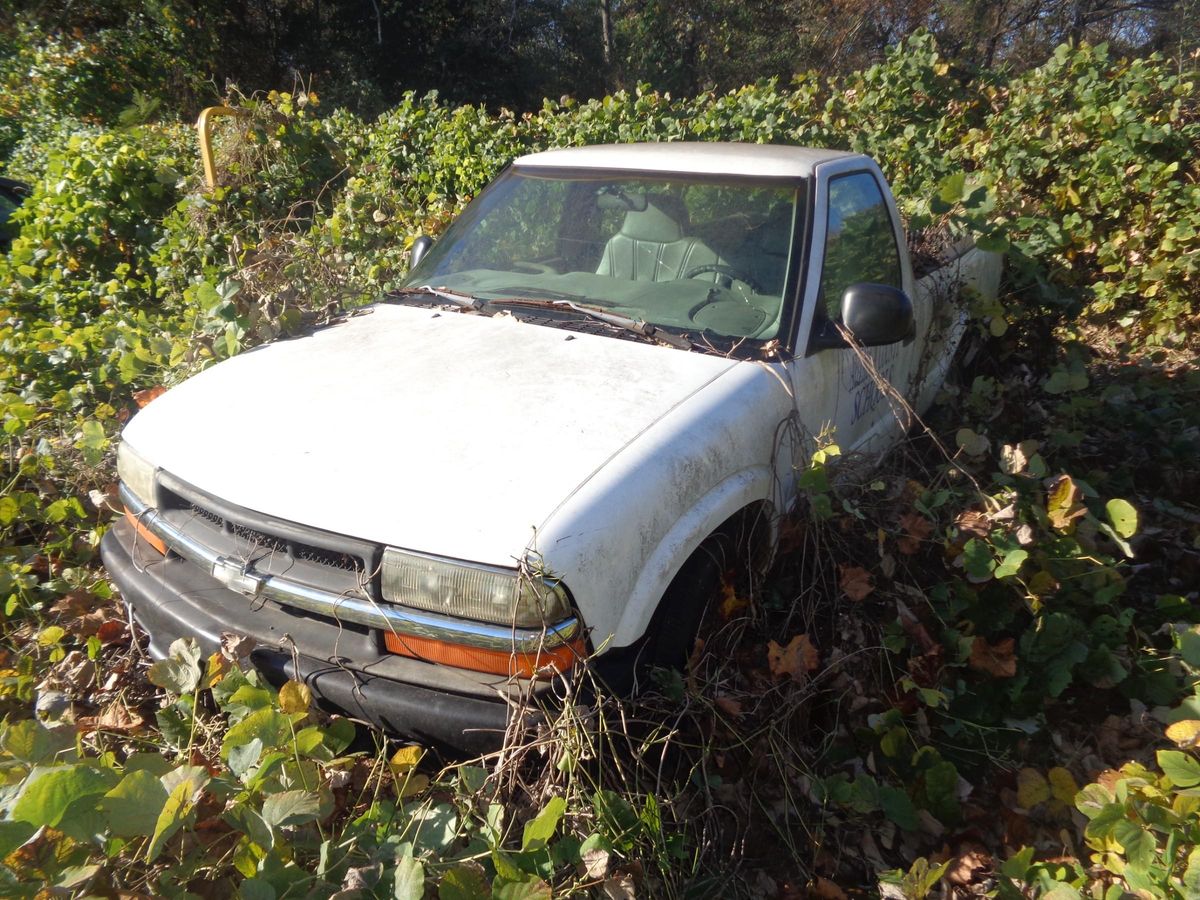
x=205 y=514
x=260 y=540
x=326 y=558
x=278 y=549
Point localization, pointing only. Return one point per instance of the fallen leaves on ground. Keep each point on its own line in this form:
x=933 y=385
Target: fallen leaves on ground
x=1185 y=734
x=855 y=582
x=1063 y=503
x=997 y=659
x=731 y=603
x=1032 y=788
x=796 y=660
x=729 y=705
x=917 y=529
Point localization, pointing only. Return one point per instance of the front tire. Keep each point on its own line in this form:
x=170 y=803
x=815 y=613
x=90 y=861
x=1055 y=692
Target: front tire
x=676 y=623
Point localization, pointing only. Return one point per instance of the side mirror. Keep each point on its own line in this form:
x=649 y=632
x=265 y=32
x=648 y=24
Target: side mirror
x=876 y=314
x=418 y=250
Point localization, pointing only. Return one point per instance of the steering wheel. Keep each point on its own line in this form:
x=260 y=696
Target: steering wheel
x=726 y=270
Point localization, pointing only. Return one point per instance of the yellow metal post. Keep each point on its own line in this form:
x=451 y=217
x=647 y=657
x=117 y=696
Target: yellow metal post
x=204 y=127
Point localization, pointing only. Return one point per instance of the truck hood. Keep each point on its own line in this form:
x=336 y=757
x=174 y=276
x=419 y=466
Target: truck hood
x=429 y=430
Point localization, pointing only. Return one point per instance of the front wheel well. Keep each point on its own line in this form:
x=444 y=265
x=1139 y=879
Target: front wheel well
x=742 y=543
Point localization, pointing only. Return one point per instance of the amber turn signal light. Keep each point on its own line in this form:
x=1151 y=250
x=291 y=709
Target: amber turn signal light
x=145 y=534
x=543 y=664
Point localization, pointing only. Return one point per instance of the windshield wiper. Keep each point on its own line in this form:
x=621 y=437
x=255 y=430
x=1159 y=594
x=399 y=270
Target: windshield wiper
x=626 y=323
x=458 y=298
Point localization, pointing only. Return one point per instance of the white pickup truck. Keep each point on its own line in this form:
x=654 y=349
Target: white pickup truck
x=609 y=368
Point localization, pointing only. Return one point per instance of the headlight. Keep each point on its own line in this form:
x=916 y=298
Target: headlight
x=483 y=593
x=137 y=474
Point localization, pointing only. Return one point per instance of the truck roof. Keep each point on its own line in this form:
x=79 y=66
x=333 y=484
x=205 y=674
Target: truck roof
x=687 y=157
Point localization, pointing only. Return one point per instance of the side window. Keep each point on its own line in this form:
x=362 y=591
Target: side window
x=860 y=243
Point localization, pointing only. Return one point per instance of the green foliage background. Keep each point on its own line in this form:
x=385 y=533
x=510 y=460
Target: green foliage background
x=125 y=273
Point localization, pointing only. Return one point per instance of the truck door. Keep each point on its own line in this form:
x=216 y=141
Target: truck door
x=857 y=238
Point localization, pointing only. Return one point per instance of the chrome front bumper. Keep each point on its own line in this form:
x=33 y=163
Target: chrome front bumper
x=237 y=576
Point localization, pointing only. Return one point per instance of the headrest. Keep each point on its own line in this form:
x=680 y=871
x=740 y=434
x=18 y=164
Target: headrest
x=774 y=235
x=651 y=224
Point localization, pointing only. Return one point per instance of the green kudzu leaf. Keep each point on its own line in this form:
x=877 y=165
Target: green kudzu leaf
x=251 y=824
x=951 y=188
x=134 y=805
x=1191 y=876
x=540 y=829
x=185 y=786
x=1011 y=564
x=32 y=742
x=13 y=835
x=409 y=880
x=1180 y=768
x=1139 y=844
x=992 y=243
x=971 y=443
x=1123 y=516
x=244 y=757
x=92 y=441
x=525 y=889
x=49 y=790
x=978 y=561
x=435 y=826
x=270 y=726
x=898 y=806
x=463 y=882
x=339 y=734
x=289 y=808
x=256 y=889
x=1103 y=822
x=1092 y=799
x=9 y=510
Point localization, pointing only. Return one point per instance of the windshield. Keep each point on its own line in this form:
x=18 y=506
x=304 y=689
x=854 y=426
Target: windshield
x=702 y=256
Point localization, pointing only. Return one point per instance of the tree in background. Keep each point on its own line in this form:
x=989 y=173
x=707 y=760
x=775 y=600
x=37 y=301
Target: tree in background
x=94 y=59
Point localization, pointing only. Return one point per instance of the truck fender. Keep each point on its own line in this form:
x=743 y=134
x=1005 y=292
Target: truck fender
x=735 y=493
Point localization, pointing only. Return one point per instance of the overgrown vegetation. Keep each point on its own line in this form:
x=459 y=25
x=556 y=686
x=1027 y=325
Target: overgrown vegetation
x=974 y=667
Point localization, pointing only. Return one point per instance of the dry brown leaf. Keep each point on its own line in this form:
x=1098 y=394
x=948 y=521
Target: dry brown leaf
x=115 y=717
x=855 y=582
x=917 y=528
x=90 y=624
x=791 y=535
x=796 y=660
x=1063 y=503
x=731 y=603
x=144 y=398
x=824 y=889
x=728 y=705
x=974 y=523
x=236 y=646
x=968 y=867
x=111 y=631
x=619 y=887
x=593 y=863
x=997 y=659
x=74 y=604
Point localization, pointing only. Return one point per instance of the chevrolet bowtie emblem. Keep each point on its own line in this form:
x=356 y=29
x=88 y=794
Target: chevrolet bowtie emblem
x=236 y=575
